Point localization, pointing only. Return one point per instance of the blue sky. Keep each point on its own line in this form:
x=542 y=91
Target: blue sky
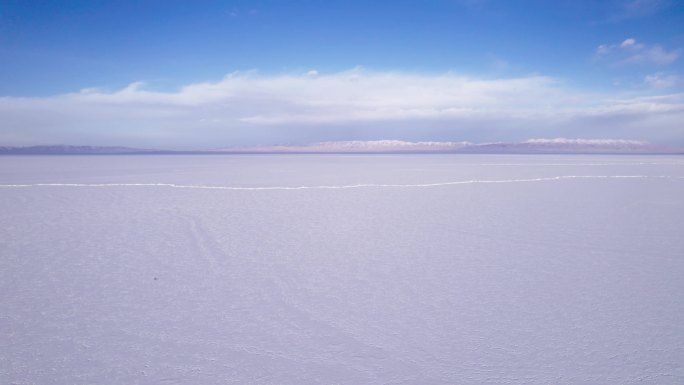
x=183 y=74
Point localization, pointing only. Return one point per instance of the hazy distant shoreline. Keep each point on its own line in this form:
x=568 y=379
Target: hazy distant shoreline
x=379 y=147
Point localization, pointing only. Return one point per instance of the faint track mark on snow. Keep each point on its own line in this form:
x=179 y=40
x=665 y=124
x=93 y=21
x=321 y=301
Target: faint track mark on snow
x=201 y=241
x=342 y=187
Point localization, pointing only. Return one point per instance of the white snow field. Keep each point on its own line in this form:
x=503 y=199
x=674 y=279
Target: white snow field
x=352 y=269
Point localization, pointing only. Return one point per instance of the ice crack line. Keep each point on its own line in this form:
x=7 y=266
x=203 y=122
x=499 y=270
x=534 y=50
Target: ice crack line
x=337 y=187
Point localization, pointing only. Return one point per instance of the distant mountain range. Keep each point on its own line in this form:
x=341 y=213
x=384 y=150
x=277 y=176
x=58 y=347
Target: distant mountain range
x=71 y=150
x=356 y=146
x=532 y=146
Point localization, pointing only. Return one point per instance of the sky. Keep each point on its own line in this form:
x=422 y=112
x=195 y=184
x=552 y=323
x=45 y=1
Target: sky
x=213 y=74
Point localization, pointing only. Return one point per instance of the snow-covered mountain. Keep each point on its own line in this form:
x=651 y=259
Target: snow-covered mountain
x=558 y=145
x=357 y=146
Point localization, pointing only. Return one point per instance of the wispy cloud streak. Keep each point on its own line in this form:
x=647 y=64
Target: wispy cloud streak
x=632 y=52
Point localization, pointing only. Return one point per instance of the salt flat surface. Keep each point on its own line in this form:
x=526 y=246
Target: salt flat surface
x=313 y=269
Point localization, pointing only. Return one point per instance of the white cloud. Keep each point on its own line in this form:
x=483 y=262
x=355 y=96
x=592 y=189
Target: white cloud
x=249 y=108
x=628 y=43
x=632 y=52
x=661 y=80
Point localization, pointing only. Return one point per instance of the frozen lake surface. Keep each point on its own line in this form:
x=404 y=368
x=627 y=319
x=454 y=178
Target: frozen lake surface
x=324 y=269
